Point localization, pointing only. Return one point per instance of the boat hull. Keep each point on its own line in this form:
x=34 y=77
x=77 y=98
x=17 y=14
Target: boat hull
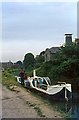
x=60 y=96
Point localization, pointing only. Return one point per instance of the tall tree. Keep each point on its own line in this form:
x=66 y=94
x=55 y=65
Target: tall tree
x=29 y=61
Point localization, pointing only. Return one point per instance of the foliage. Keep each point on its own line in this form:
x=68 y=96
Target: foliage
x=19 y=64
x=68 y=50
x=29 y=61
x=44 y=69
x=8 y=79
x=64 y=66
x=39 y=59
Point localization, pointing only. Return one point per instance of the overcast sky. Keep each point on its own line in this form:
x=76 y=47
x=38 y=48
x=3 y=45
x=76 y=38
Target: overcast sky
x=33 y=27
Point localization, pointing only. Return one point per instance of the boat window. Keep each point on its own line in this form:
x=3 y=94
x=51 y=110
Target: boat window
x=48 y=80
x=44 y=82
x=40 y=80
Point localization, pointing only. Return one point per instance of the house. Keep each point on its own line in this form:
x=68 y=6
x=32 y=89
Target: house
x=49 y=53
x=6 y=64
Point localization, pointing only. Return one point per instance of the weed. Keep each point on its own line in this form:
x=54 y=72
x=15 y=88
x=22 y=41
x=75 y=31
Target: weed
x=39 y=111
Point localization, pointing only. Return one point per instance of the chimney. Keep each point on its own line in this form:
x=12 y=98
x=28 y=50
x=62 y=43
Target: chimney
x=68 y=39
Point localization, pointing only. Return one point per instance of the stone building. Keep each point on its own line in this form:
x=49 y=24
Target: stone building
x=49 y=53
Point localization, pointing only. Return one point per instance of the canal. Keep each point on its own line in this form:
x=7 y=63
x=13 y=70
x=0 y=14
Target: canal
x=71 y=109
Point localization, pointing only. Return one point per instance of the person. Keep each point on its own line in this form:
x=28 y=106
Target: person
x=26 y=81
x=22 y=74
x=25 y=76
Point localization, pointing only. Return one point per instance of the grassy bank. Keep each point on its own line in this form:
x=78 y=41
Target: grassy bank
x=8 y=79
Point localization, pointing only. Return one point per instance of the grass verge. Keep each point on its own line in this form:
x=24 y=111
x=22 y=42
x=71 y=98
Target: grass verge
x=8 y=79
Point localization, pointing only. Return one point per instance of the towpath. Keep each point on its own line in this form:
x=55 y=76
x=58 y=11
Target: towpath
x=22 y=104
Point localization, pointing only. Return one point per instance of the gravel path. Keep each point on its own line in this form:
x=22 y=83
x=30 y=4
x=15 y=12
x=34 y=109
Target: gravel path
x=13 y=106
x=22 y=104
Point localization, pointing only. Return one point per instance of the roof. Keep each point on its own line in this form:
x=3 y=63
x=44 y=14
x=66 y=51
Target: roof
x=68 y=34
x=54 y=49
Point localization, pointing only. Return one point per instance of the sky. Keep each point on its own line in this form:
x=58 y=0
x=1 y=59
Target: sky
x=35 y=26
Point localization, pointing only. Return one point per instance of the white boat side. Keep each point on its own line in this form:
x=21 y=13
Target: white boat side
x=47 y=88
x=51 y=89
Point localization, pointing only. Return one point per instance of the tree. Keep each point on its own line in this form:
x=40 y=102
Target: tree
x=19 y=63
x=29 y=61
x=68 y=51
x=40 y=59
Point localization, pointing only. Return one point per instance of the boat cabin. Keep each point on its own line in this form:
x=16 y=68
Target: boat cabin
x=41 y=82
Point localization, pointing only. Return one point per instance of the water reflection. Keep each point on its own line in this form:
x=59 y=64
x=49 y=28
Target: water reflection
x=68 y=106
x=72 y=108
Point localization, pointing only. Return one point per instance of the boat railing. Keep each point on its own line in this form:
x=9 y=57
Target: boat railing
x=44 y=86
x=61 y=83
x=65 y=89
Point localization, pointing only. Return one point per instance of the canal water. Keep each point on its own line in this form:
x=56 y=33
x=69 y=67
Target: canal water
x=70 y=108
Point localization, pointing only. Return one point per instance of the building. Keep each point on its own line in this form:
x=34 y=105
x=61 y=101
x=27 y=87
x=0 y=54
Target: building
x=76 y=41
x=49 y=53
x=6 y=64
